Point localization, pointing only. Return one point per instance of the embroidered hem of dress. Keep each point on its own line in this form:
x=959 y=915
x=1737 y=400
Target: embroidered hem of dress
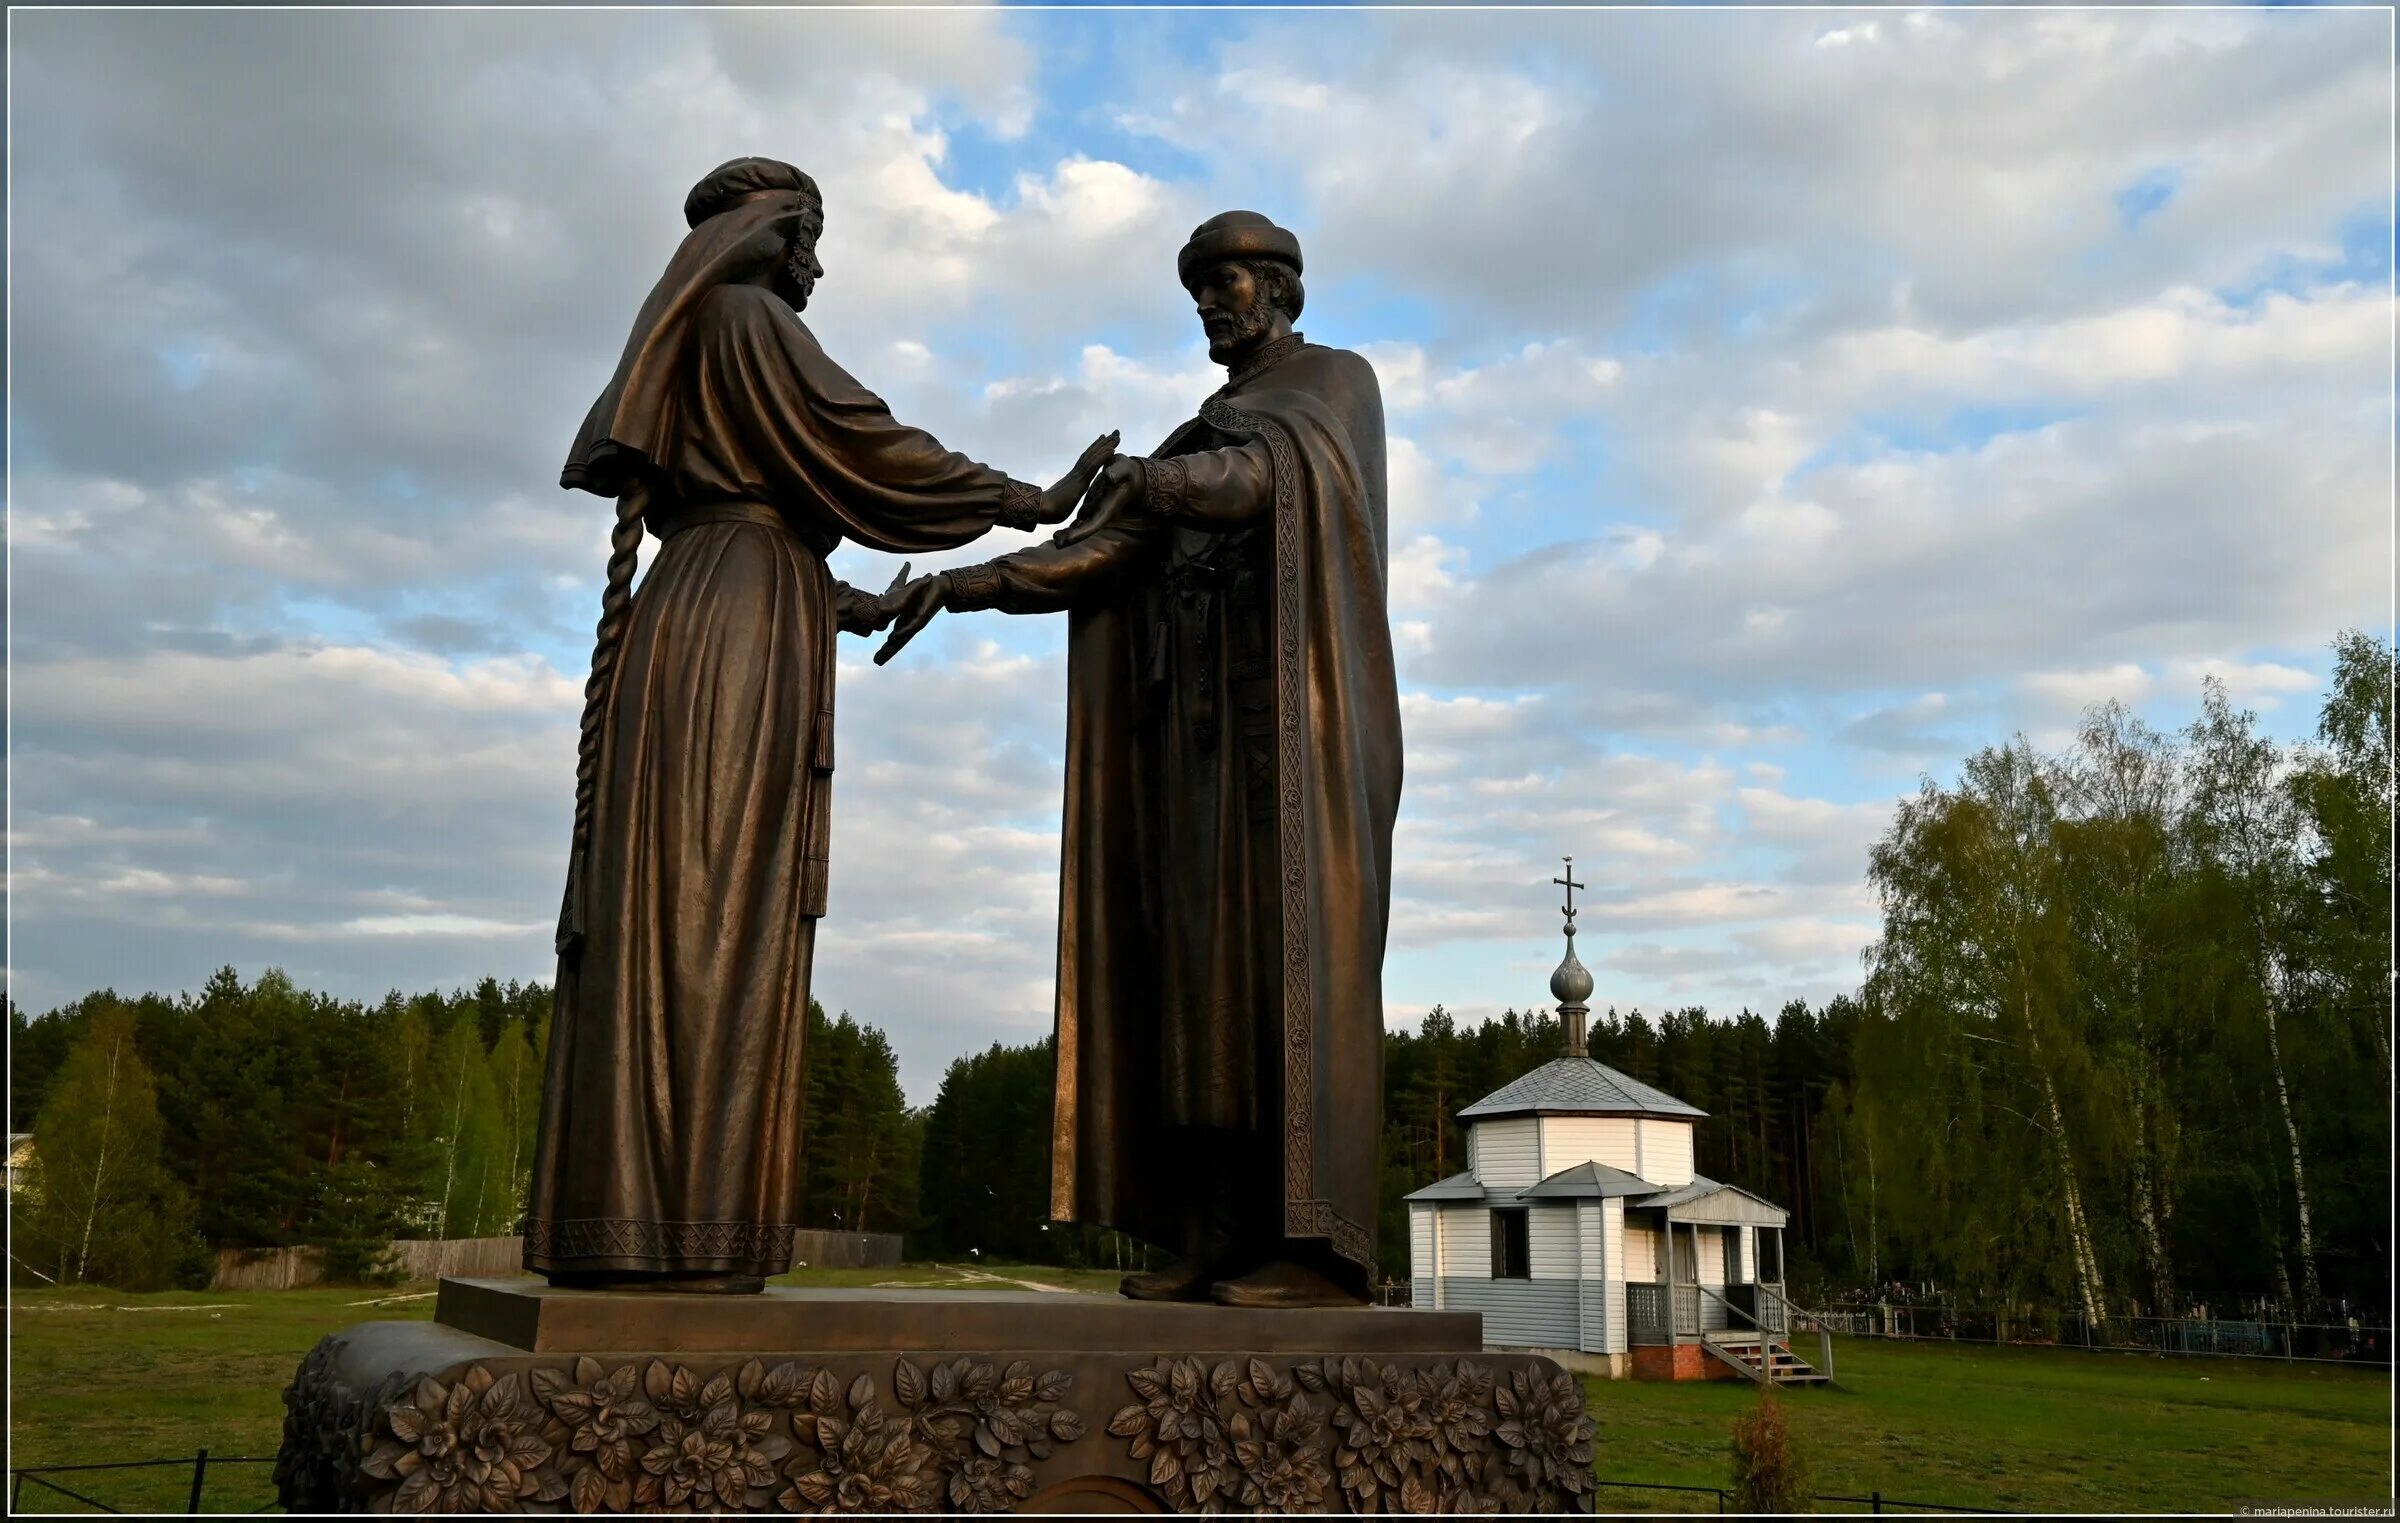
x=616 y=1242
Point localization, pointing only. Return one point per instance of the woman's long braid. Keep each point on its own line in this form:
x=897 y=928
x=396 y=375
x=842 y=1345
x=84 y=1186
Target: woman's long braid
x=624 y=545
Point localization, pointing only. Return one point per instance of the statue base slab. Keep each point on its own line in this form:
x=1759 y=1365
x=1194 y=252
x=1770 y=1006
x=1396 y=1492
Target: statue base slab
x=522 y=1398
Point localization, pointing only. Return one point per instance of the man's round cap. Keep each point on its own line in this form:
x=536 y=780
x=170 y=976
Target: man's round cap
x=1236 y=235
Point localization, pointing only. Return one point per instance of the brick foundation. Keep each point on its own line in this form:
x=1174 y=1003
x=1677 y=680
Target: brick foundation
x=1681 y=1361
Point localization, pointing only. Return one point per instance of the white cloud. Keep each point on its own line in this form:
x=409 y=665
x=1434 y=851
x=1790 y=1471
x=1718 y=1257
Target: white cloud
x=2261 y=683
x=1718 y=500
x=2075 y=691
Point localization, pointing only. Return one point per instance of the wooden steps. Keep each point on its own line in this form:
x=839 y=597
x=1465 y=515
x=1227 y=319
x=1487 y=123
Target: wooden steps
x=1766 y=1362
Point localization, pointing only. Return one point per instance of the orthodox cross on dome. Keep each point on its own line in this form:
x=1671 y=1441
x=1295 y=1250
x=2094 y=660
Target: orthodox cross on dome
x=1568 y=909
x=1571 y=985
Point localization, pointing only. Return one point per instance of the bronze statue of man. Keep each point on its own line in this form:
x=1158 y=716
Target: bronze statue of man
x=1233 y=770
x=669 y=1150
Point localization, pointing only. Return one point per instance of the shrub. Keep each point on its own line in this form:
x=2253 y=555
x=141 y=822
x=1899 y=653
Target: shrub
x=355 y=1219
x=1768 y=1474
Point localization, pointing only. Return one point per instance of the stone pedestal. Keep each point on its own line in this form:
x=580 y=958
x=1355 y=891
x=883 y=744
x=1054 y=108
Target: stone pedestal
x=521 y=1398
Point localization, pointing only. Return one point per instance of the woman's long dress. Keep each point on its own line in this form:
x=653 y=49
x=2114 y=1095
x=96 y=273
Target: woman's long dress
x=671 y=1108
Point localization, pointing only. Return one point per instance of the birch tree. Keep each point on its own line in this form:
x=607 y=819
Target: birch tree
x=2247 y=832
x=517 y=1084
x=2343 y=787
x=1974 y=972
x=461 y=1111
x=2123 y=784
x=103 y=1210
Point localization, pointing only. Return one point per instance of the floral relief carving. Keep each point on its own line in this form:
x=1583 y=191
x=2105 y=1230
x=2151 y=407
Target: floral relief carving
x=1225 y=1437
x=858 y=1458
x=1547 y=1437
x=597 y=1420
x=710 y=1451
x=989 y=1425
x=961 y=1436
x=1385 y=1438
x=322 y=1427
x=1282 y=1455
x=1412 y=1440
x=472 y=1445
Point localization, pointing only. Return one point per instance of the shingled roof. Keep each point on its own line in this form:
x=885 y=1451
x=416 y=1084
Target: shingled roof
x=1706 y=1199
x=1588 y=1181
x=1583 y=1181
x=1579 y=1086
x=1456 y=1187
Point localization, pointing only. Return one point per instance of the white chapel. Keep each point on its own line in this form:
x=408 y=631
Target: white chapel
x=1579 y=1228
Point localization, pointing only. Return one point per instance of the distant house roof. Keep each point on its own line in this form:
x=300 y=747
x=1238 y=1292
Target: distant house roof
x=1579 y=1086
x=1456 y=1187
x=1701 y=1185
x=1708 y=1200
x=1588 y=1181
x=1704 y=1200
x=1584 y=1181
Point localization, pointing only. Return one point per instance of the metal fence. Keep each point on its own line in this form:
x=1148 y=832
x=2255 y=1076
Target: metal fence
x=2325 y=1343
x=430 y=1259
x=48 y=1494
x=823 y=1249
x=1873 y=1501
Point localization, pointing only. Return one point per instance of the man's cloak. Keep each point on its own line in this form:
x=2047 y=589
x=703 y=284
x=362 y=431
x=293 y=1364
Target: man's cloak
x=1337 y=790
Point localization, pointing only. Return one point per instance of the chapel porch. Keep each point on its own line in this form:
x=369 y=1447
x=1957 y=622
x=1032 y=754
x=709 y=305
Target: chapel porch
x=1735 y=1320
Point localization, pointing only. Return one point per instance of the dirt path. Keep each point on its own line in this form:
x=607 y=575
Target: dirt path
x=985 y=1277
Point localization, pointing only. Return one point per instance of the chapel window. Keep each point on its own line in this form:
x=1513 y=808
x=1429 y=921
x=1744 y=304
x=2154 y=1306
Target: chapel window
x=1512 y=1252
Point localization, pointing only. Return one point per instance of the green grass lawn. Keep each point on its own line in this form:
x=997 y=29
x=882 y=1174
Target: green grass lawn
x=99 y=1376
x=2028 y=1430
x=102 y=1375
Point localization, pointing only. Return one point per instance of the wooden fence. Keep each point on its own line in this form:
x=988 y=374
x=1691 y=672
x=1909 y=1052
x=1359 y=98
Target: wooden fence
x=290 y=1268
x=846 y=1250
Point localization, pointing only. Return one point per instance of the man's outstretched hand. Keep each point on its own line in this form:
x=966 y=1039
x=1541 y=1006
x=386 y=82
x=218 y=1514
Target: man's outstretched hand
x=909 y=609
x=1121 y=485
x=859 y=614
x=1063 y=494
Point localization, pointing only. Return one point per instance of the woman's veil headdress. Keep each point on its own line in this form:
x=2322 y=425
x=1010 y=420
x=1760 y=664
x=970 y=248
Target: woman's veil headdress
x=741 y=215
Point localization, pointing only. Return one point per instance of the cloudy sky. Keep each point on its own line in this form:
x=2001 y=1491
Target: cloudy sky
x=1783 y=405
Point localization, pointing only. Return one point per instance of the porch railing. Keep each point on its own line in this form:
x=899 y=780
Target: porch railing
x=1658 y=1313
x=1646 y=1313
x=1687 y=1310
x=1764 y=1305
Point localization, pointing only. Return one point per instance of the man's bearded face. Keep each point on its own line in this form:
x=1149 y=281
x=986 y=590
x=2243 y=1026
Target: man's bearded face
x=1234 y=311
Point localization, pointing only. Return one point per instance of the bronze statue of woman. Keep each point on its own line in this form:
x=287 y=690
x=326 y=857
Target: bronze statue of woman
x=669 y=1150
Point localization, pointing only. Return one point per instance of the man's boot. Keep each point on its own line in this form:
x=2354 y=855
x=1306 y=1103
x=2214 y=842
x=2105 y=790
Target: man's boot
x=1205 y=1253
x=1220 y=1239
x=1293 y=1275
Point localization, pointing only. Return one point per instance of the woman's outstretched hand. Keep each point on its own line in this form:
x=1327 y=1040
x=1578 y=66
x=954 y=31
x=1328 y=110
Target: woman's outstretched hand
x=859 y=614
x=1063 y=494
